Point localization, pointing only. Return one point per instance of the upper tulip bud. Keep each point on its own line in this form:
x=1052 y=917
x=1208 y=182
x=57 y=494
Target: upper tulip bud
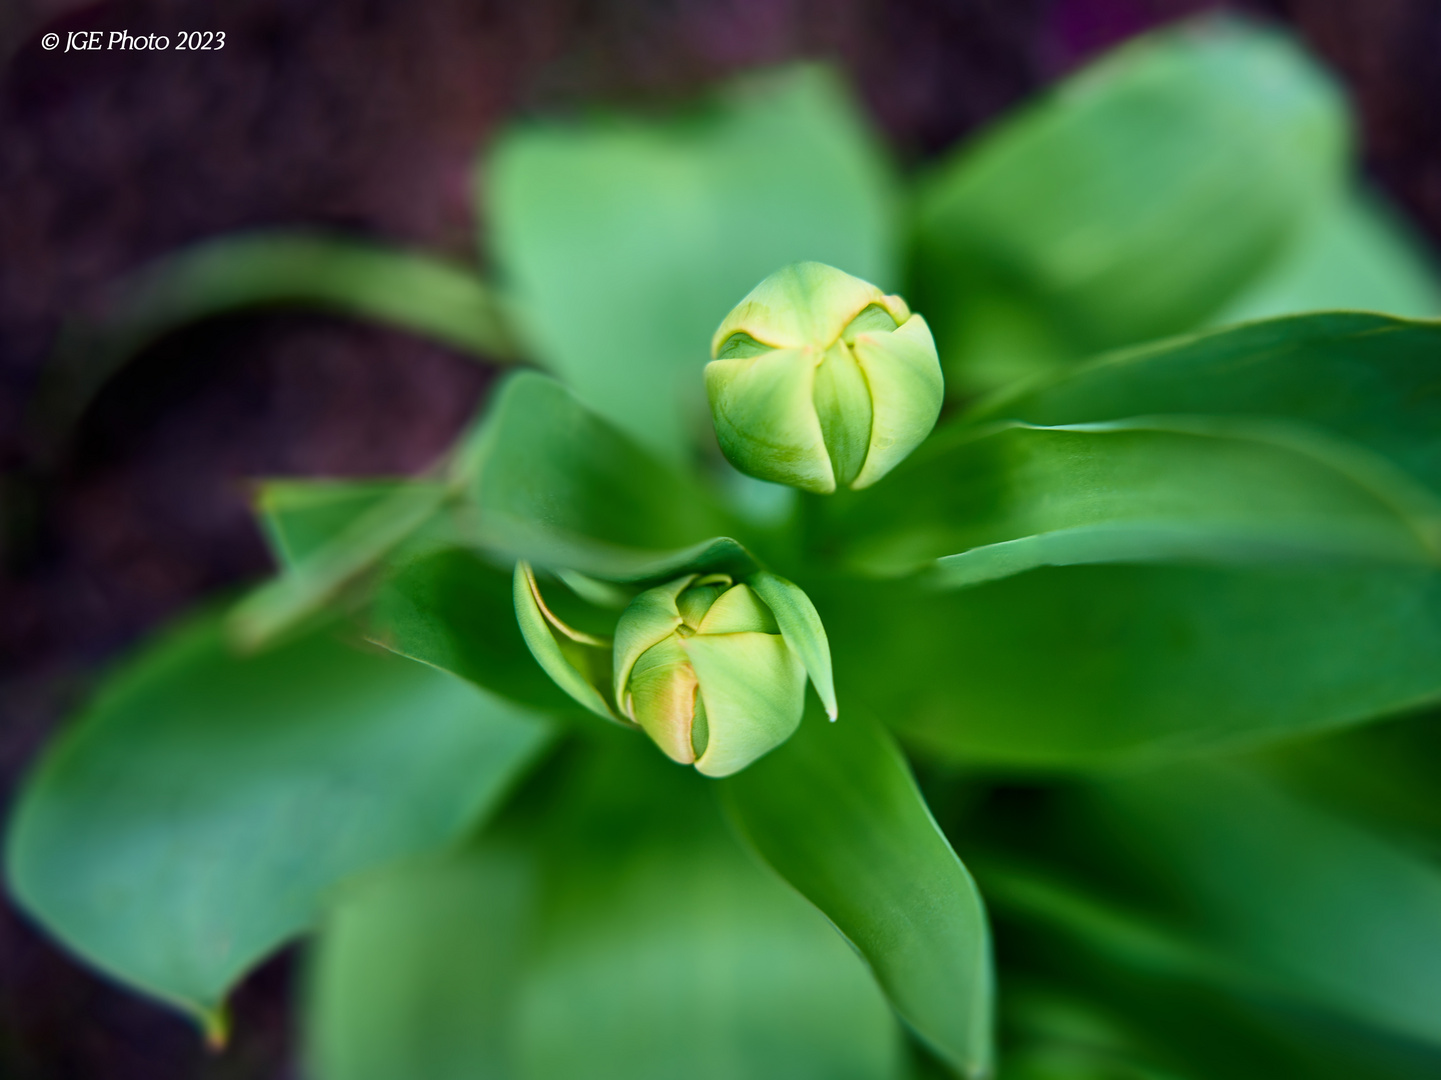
x=821 y=380
x=702 y=665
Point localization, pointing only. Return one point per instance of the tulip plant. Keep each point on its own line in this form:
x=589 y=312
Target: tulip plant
x=1027 y=676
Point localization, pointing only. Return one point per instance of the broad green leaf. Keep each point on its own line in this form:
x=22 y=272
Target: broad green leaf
x=1057 y=232
x=987 y=502
x=631 y=937
x=551 y=482
x=455 y=611
x=202 y=807
x=420 y=293
x=1367 y=378
x=1309 y=905
x=624 y=242
x=1086 y=665
x=836 y=812
x=1355 y=255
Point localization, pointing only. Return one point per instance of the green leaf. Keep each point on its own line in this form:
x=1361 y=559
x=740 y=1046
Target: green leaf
x=195 y=816
x=300 y=517
x=1004 y=498
x=551 y=482
x=415 y=970
x=626 y=241
x=1057 y=231
x=1367 y=378
x=1304 y=902
x=453 y=610
x=425 y=295
x=1242 y=933
x=629 y=937
x=1358 y=254
x=836 y=812
x=1090 y=665
x=372 y=525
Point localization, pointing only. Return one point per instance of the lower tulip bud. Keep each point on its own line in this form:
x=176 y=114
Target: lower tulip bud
x=703 y=668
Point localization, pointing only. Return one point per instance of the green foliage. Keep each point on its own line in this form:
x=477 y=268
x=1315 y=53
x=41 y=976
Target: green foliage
x=612 y=928
x=202 y=810
x=837 y=814
x=624 y=242
x=1132 y=618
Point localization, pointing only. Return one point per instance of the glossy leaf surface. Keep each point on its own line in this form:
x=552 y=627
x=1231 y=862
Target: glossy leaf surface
x=1367 y=378
x=455 y=611
x=1077 y=667
x=836 y=812
x=551 y=482
x=625 y=242
x=198 y=813
x=1002 y=499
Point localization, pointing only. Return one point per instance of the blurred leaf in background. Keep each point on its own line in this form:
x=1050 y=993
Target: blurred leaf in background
x=623 y=242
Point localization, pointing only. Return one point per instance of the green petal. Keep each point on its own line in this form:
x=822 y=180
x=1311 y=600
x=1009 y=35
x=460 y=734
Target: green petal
x=765 y=418
x=807 y=303
x=205 y=804
x=738 y=609
x=660 y=696
x=537 y=629
x=843 y=406
x=907 y=390
x=800 y=625
x=651 y=618
x=753 y=686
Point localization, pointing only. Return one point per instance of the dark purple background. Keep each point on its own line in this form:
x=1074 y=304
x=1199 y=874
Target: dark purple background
x=365 y=116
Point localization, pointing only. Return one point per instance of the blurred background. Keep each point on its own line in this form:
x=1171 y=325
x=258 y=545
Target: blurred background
x=365 y=117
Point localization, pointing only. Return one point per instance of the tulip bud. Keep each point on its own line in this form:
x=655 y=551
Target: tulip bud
x=821 y=380
x=702 y=667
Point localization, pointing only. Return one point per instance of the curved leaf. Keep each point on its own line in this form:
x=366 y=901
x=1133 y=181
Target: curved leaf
x=1084 y=666
x=836 y=812
x=994 y=501
x=1367 y=378
x=195 y=816
x=549 y=481
x=408 y=290
x=454 y=611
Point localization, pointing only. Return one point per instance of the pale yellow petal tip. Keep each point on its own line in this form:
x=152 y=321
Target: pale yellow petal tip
x=834 y=714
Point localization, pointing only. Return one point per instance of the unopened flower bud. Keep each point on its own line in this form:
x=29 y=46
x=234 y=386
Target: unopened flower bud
x=702 y=667
x=821 y=380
